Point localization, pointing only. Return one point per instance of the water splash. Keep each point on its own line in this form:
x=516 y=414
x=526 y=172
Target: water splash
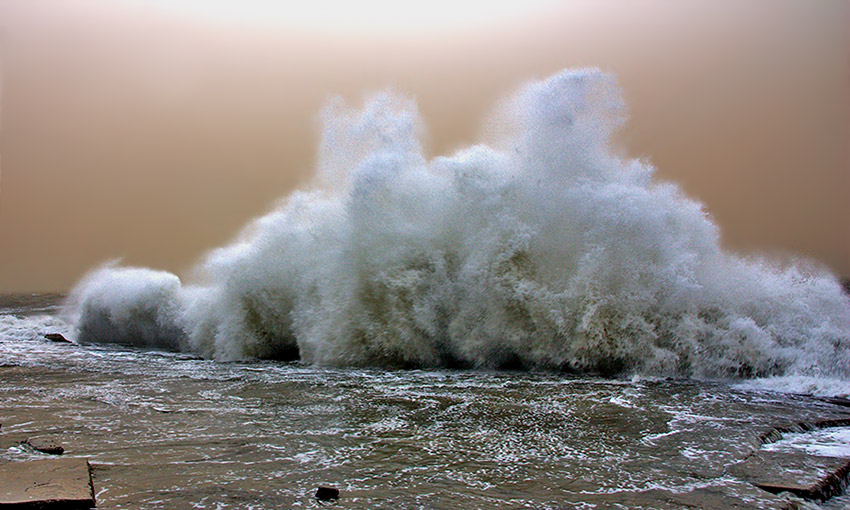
x=545 y=249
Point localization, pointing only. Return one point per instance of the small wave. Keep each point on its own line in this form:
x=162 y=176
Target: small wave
x=800 y=384
x=32 y=327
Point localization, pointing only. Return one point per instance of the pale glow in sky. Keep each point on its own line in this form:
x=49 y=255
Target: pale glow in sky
x=362 y=15
x=166 y=125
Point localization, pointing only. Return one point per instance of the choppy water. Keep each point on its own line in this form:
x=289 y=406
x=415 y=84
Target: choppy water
x=166 y=430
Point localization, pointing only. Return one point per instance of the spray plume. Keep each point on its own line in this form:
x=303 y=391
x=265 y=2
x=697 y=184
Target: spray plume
x=544 y=250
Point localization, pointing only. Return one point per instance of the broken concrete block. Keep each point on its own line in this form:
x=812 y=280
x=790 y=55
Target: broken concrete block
x=327 y=493
x=808 y=476
x=45 y=446
x=47 y=484
x=57 y=337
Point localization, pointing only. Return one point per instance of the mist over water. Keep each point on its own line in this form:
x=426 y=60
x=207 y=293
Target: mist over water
x=545 y=249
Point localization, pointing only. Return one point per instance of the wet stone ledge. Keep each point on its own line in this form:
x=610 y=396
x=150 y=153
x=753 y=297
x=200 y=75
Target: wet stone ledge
x=810 y=477
x=46 y=485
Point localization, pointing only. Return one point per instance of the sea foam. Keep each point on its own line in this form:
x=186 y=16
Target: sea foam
x=544 y=249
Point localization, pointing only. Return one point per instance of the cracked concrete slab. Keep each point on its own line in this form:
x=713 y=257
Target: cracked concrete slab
x=47 y=484
x=808 y=476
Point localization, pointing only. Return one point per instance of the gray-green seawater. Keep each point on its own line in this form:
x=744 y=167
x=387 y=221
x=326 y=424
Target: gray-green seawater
x=167 y=430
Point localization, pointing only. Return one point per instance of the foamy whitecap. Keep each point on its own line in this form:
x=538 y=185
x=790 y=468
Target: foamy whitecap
x=545 y=249
x=128 y=306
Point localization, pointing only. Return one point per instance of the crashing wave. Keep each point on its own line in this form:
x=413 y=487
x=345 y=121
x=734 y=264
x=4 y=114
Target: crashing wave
x=544 y=250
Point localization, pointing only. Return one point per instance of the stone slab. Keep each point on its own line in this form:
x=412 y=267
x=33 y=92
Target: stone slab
x=808 y=476
x=45 y=445
x=46 y=484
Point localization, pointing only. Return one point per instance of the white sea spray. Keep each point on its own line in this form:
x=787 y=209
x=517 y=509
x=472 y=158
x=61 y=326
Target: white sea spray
x=543 y=249
x=129 y=306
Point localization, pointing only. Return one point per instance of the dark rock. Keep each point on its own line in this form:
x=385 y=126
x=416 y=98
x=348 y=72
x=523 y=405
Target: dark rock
x=45 y=446
x=845 y=284
x=808 y=476
x=56 y=337
x=327 y=493
x=47 y=485
x=839 y=401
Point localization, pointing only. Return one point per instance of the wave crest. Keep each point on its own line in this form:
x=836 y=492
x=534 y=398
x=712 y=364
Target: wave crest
x=543 y=250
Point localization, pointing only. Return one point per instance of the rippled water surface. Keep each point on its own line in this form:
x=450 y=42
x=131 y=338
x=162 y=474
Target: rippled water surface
x=165 y=430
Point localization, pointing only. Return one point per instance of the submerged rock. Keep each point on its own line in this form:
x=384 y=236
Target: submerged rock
x=47 y=484
x=327 y=493
x=57 y=337
x=45 y=446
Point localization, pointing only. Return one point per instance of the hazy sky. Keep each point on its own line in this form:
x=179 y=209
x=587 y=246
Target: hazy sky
x=154 y=130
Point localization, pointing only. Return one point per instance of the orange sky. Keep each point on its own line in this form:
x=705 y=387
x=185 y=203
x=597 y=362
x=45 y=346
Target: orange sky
x=137 y=130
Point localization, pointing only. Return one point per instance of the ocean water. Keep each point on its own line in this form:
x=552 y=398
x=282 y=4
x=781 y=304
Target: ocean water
x=169 y=430
x=534 y=321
